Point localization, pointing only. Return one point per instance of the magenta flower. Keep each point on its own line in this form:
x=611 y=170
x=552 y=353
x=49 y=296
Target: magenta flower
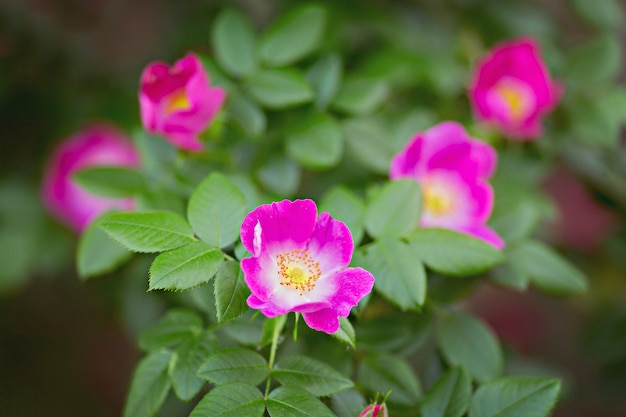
x=511 y=89
x=178 y=102
x=299 y=263
x=374 y=410
x=97 y=145
x=452 y=170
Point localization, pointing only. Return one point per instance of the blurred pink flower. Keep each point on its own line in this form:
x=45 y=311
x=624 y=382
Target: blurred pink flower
x=97 y=145
x=452 y=169
x=375 y=410
x=178 y=102
x=299 y=263
x=512 y=90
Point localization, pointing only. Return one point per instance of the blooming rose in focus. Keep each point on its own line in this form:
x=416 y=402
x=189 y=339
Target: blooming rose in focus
x=178 y=102
x=374 y=410
x=452 y=170
x=299 y=263
x=97 y=145
x=512 y=90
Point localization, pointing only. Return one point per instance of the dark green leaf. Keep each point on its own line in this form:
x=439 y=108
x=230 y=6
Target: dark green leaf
x=394 y=210
x=596 y=61
x=368 y=141
x=186 y=360
x=452 y=253
x=516 y=396
x=216 y=209
x=247 y=114
x=186 y=267
x=360 y=97
x=295 y=402
x=280 y=175
x=517 y=223
x=272 y=327
x=231 y=400
x=605 y=14
x=148 y=231
x=176 y=325
x=466 y=341
x=293 y=36
x=149 y=386
x=311 y=375
x=111 y=182
x=97 y=253
x=345 y=332
x=280 y=88
x=316 y=142
x=234 y=43
x=230 y=292
x=449 y=397
x=325 y=77
x=234 y=365
x=508 y=275
x=390 y=373
x=348 y=403
x=344 y=205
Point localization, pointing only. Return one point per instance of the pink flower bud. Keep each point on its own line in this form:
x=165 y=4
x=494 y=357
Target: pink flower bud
x=374 y=410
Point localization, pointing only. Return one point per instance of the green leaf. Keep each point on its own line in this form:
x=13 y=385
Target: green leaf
x=272 y=326
x=400 y=275
x=156 y=231
x=596 y=61
x=247 y=114
x=234 y=43
x=348 y=403
x=293 y=36
x=280 y=175
x=176 y=325
x=311 y=375
x=295 y=402
x=369 y=143
x=547 y=269
x=449 y=397
x=97 y=253
x=186 y=360
x=390 y=373
x=234 y=365
x=345 y=332
x=231 y=400
x=280 y=88
x=605 y=14
x=325 y=77
x=394 y=210
x=518 y=222
x=466 y=341
x=346 y=206
x=111 y=182
x=185 y=268
x=149 y=386
x=316 y=142
x=452 y=253
x=361 y=96
x=216 y=209
x=508 y=275
x=516 y=396
x=231 y=292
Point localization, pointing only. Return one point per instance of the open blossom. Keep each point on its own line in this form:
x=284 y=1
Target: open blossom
x=452 y=169
x=299 y=264
x=97 y=145
x=511 y=89
x=374 y=410
x=178 y=102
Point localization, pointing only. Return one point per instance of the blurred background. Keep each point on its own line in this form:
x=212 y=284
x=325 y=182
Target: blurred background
x=67 y=347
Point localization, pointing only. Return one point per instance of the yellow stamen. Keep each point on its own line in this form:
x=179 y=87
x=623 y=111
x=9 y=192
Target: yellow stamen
x=298 y=270
x=437 y=202
x=514 y=99
x=177 y=101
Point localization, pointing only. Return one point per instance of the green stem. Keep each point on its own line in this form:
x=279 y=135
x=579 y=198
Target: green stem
x=273 y=348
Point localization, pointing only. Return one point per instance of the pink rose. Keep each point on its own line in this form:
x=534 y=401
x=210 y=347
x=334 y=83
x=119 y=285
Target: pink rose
x=97 y=145
x=511 y=89
x=374 y=410
x=178 y=102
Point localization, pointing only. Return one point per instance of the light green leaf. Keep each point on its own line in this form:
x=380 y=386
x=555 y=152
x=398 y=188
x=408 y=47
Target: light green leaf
x=147 y=231
x=231 y=400
x=314 y=376
x=110 y=181
x=546 y=269
x=345 y=332
x=280 y=88
x=605 y=14
x=185 y=267
x=361 y=96
x=231 y=292
x=234 y=43
x=346 y=206
x=348 y=403
x=518 y=222
x=390 y=373
x=316 y=142
x=293 y=36
x=234 y=365
x=394 y=210
x=176 y=325
x=400 y=275
x=449 y=397
x=97 y=253
x=280 y=175
x=596 y=61
x=247 y=114
x=216 y=209
x=149 y=386
x=325 y=77
x=186 y=360
x=295 y=402
x=466 y=341
x=508 y=275
x=516 y=396
x=369 y=143
x=452 y=253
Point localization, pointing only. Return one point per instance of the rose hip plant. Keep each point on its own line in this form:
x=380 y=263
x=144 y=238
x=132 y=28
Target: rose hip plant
x=315 y=211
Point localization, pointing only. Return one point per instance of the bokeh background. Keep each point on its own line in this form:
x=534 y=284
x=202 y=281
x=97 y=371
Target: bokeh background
x=67 y=347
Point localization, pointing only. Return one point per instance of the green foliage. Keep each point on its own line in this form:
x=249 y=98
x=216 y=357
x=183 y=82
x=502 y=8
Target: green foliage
x=234 y=43
x=325 y=78
x=149 y=386
x=344 y=205
x=316 y=142
x=112 y=182
x=394 y=211
x=188 y=356
x=176 y=325
x=231 y=400
x=234 y=365
x=449 y=397
x=390 y=373
x=348 y=403
x=280 y=88
x=314 y=376
x=368 y=142
x=230 y=292
x=346 y=332
x=97 y=253
x=293 y=401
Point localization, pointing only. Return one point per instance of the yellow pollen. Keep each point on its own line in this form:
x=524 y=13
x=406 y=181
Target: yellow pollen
x=515 y=100
x=436 y=202
x=298 y=270
x=176 y=101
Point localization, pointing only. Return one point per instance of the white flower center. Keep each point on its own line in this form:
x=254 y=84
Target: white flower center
x=298 y=270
